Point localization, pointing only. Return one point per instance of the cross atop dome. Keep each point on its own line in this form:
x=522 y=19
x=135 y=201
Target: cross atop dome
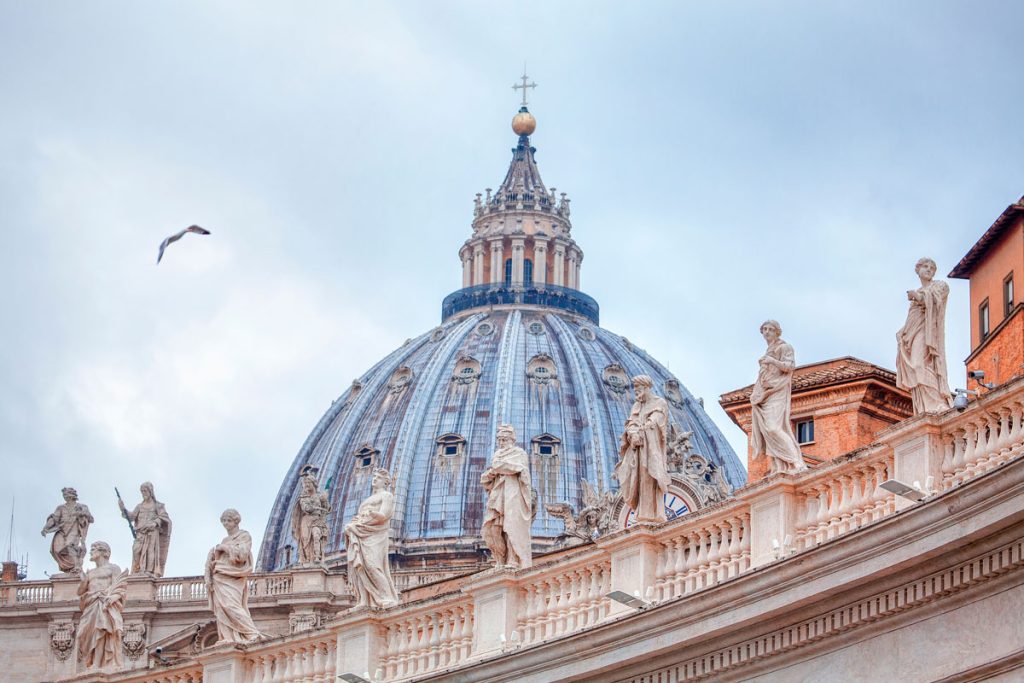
x=524 y=86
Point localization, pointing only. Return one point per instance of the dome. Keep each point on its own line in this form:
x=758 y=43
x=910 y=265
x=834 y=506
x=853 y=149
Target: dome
x=519 y=343
x=429 y=412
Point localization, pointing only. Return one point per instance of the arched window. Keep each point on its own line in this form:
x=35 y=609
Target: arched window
x=366 y=457
x=508 y=271
x=528 y=272
x=450 y=445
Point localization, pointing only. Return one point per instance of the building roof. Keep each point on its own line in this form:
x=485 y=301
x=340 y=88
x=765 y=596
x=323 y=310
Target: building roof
x=821 y=374
x=967 y=264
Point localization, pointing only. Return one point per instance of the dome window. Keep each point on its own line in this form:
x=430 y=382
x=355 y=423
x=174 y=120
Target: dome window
x=615 y=378
x=586 y=334
x=535 y=328
x=366 y=457
x=466 y=371
x=541 y=369
x=450 y=446
x=485 y=329
x=437 y=335
x=546 y=445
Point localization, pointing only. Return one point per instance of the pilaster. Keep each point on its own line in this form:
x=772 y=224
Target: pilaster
x=540 y=261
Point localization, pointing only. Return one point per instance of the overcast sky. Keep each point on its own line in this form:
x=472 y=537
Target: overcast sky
x=727 y=162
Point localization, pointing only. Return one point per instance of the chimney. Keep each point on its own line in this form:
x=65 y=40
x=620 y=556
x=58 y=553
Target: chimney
x=10 y=572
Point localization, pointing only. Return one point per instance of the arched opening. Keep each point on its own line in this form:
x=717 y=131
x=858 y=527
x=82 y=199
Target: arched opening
x=528 y=272
x=508 y=271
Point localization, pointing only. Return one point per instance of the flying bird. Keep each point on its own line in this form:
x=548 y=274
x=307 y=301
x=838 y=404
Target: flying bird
x=174 y=238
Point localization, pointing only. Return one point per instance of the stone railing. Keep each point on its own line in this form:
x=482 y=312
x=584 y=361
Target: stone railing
x=497 y=613
x=310 y=659
x=426 y=638
x=840 y=497
x=26 y=592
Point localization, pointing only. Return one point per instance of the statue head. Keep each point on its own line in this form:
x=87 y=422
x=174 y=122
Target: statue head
x=99 y=549
x=230 y=519
x=381 y=479
x=506 y=435
x=146 y=489
x=925 y=268
x=771 y=330
x=308 y=484
x=642 y=385
x=69 y=493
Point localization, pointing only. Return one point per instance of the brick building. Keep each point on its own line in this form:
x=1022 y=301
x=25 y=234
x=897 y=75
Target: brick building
x=994 y=266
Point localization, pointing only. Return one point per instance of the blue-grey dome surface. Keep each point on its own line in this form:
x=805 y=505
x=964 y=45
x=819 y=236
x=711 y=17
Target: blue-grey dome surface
x=429 y=412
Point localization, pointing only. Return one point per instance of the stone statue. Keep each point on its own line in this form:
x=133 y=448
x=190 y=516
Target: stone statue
x=642 y=468
x=506 y=527
x=309 y=519
x=771 y=432
x=921 y=343
x=228 y=567
x=69 y=525
x=367 y=538
x=102 y=593
x=152 y=529
x=678 y=448
x=594 y=519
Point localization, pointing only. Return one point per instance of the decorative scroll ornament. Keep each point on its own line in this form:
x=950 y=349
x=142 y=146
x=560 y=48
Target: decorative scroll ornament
x=595 y=518
x=62 y=638
x=301 y=622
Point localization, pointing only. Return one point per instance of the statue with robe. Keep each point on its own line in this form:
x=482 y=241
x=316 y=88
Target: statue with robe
x=152 y=528
x=69 y=525
x=921 y=344
x=102 y=592
x=367 y=541
x=506 y=527
x=309 y=519
x=228 y=567
x=642 y=469
x=771 y=433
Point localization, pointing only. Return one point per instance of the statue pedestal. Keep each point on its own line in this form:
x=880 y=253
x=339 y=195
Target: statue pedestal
x=142 y=587
x=359 y=643
x=495 y=594
x=65 y=587
x=773 y=514
x=634 y=554
x=223 y=664
x=308 y=578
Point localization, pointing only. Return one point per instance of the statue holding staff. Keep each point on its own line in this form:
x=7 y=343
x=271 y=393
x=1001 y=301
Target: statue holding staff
x=309 y=519
x=151 y=528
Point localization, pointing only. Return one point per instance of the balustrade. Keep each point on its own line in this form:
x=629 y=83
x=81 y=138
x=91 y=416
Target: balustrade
x=567 y=600
x=425 y=641
x=981 y=440
x=703 y=553
x=312 y=660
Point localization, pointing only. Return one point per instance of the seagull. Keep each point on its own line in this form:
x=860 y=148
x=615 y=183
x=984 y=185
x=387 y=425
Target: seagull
x=174 y=238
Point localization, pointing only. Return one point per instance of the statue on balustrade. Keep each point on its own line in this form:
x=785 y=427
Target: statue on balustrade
x=228 y=567
x=506 y=527
x=309 y=519
x=102 y=594
x=152 y=528
x=69 y=525
x=642 y=469
x=771 y=433
x=921 y=343
x=367 y=540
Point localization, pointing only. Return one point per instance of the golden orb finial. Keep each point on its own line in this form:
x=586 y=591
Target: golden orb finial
x=523 y=123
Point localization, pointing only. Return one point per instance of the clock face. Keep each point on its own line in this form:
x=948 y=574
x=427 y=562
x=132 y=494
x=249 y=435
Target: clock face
x=675 y=506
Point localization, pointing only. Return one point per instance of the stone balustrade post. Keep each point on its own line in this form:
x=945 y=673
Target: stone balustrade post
x=360 y=644
x=141 y=587
x=223 y=664
x=634 y=559
x=496 y=605
x=917 y=455
x=774 y=511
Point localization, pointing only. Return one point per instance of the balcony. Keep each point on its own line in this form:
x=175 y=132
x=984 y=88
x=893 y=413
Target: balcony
x=546 y=295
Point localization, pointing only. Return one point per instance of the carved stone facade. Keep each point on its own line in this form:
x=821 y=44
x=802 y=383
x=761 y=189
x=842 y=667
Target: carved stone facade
x=134 y=641
x=62 y=638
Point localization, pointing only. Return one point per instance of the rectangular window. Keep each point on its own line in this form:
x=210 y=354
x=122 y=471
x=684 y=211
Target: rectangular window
x=805 y=431
x=1008 y=295
x=983 y=321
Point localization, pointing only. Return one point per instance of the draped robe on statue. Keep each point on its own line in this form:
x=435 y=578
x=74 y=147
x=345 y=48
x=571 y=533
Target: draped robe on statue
x=921 y=350
x=152 y=537
x=506 y=527
x=102 y=593
x=771 y=432
x=642 y=469
x=367 y=538
x=228 y=567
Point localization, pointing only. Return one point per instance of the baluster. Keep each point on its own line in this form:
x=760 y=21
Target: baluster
x=745 y=543
x=736 y=524
x=690 y=582
x=971 y=437
x=702 y=557
x=711 y=576
x=678 y=566
x=467 y=630
x=662 y=570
